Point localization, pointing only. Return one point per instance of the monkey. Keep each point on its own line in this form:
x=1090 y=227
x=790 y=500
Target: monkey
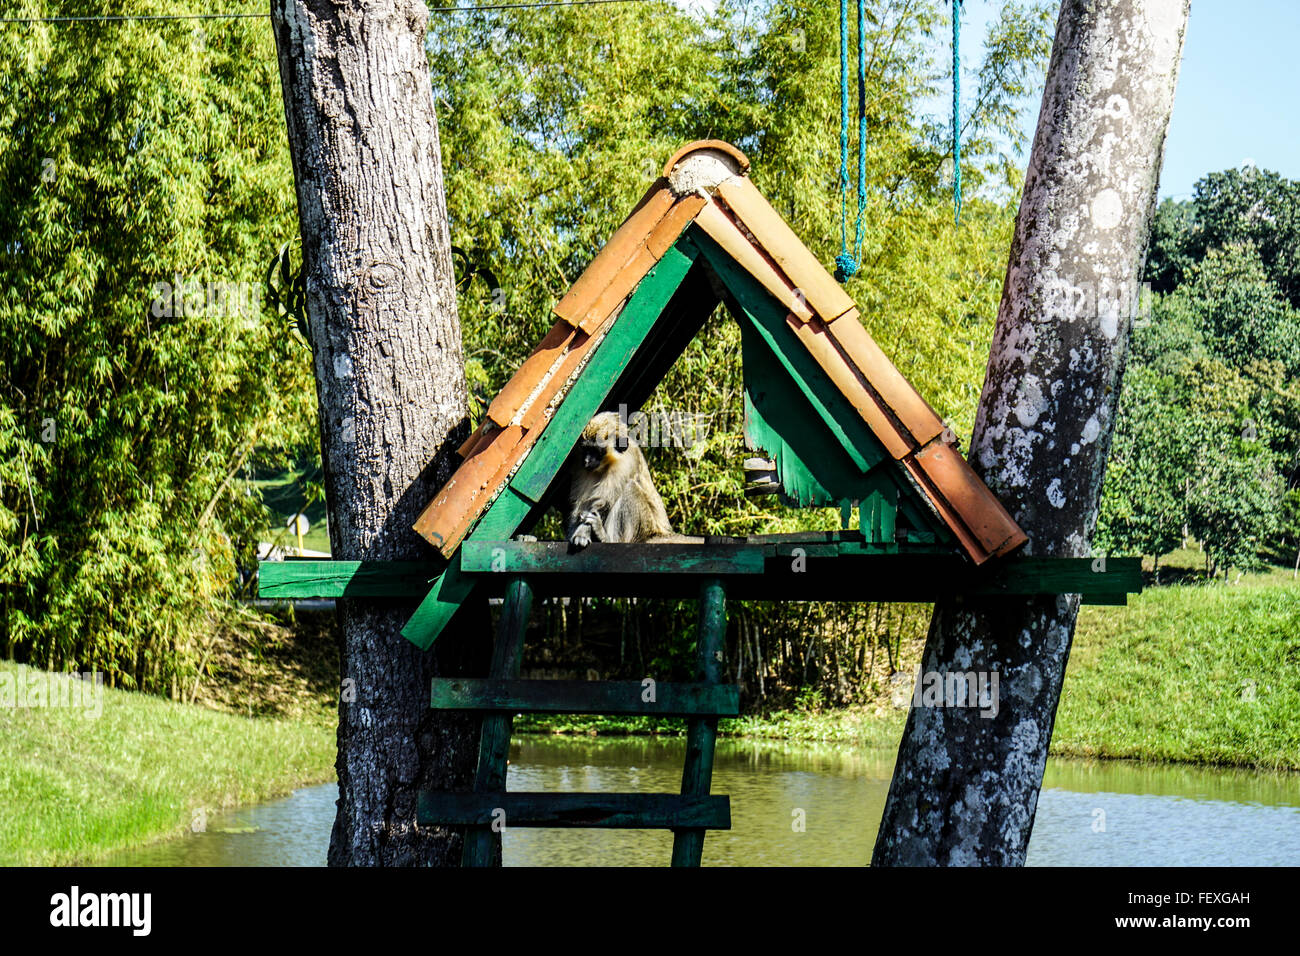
x=611 y=494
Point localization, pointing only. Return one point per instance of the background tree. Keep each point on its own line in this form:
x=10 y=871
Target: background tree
x=965 y=786
x=1236 y=206
x=143 y=184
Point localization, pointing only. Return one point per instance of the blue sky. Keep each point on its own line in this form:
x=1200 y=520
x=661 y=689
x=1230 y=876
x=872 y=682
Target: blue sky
x=1238 y=93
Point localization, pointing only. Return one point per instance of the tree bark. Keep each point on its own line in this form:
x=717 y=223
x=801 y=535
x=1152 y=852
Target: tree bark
x=391 y=389
x=966 y=783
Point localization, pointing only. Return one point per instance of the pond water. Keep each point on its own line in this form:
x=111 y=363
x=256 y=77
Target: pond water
x=1090 y=813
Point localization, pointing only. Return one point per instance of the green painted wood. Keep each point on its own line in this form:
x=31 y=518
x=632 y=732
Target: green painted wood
x=887 y=516
x=1111 y=599
x=850 y=569
x=766 y=315
x=702 y=732
x=334 y=579
x=778 y=420
x=443 y=600
x=482 y=846
x=653 y=699
x=445 y=597
x=607 y=363
x=527 y=557
x=692 y=303
x=503 y=518
x=625 y=811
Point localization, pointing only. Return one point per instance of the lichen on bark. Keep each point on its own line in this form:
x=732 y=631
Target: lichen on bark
x=966 y=786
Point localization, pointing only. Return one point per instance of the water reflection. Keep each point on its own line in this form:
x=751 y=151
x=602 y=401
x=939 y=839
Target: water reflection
x=1090 y=813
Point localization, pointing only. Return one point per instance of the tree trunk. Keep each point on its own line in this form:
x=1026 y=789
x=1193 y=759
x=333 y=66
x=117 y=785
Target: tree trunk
x=965 y=787
x=391 y=389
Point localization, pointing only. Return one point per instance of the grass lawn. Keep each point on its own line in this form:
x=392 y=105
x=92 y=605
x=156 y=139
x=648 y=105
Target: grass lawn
x=285 y=495
x=74 y=787
x=1207 y=673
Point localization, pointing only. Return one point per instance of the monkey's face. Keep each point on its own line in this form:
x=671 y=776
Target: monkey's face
x=603 y=442
x=601 y=453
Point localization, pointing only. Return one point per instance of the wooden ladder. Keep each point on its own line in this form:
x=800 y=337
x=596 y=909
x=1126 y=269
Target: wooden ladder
x=490 y=807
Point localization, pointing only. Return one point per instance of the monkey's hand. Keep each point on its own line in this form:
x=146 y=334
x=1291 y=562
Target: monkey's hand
x=590 y=528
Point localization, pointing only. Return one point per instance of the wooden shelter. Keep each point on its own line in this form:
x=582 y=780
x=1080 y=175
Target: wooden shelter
x=822 y=401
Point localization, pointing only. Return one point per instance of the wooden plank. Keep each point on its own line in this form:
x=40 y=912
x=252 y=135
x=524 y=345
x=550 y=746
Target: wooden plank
x=335 y=579
x=801 y=268
x=614 y=255
x=529 y=557
x=546 y=458
x=440 y=604
x=482 y=845
x=625 y=811
x=846 y=571
x=702 y=732
x=888 y=512
x=584 y=697
x=751 y=305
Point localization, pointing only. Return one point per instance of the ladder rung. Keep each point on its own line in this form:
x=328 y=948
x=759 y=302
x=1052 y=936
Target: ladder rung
x=584 y=697
x=626 y=811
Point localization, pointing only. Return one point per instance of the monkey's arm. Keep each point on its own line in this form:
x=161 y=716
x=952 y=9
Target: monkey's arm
x=590 y=526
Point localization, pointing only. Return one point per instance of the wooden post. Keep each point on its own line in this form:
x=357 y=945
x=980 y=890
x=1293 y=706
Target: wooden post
x=697 y=775
x=483 y=844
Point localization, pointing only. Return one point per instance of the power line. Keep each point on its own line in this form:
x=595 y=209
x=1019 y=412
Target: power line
x=142 y=16
x=244 y=16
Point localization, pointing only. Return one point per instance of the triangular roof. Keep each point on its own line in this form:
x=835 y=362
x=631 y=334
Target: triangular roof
x=703 y=234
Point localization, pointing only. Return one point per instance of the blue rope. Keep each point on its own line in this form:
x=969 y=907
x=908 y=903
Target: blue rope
x=956 y=111
x=846 y=265
x=862 y=134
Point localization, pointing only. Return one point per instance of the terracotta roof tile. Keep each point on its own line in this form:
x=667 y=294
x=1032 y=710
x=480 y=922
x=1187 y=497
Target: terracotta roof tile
x=611 y=259
x=447 y=519
x=873 y=367
x=534 y=370
x=823 y=349
x=642 y=260
x=741 y=221
x=824 y=295
x=454 y=503
x=724 y=231
x=978 y=518
x=467 y=447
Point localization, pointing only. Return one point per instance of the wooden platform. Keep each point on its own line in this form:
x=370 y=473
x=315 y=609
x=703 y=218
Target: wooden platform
x=829 y=566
